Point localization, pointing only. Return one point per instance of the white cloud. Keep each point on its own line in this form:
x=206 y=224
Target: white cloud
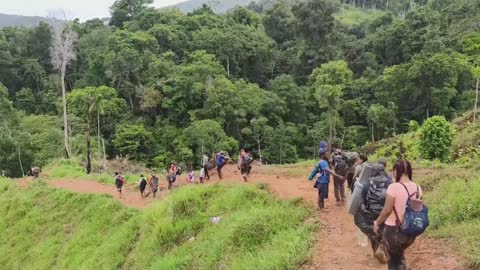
x=83 y=9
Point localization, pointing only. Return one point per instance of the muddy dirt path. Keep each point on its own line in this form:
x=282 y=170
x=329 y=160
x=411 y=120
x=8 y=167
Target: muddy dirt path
x=336 y=247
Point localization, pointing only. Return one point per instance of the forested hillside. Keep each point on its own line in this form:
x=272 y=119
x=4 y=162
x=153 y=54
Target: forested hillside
x=159 y=85
x=18 y=20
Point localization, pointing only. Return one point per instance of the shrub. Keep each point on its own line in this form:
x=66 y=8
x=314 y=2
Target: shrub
x=436 y=136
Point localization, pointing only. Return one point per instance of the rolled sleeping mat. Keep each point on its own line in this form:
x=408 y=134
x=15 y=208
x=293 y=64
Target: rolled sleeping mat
x=355 y=199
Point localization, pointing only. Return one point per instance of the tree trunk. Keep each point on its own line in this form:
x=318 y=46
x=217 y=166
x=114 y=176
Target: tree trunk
x=259 y=151
x=98 y=134
x=89 y=150
x=476 y=101
x=20 y=161
x=373 y=134
x=131 y=101
x=330 y=134
x=228 y=67
x=65 y=116
x=104 y=155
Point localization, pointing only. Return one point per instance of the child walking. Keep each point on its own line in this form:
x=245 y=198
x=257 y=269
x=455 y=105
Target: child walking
x=322 y=168
x=191 y=177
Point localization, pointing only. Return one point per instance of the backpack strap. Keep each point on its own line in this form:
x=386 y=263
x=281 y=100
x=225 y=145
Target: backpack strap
x=398 y=222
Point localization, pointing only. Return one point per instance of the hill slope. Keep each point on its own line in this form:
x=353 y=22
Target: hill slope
x=219 y=6
x=19 y=20
x=46 y=228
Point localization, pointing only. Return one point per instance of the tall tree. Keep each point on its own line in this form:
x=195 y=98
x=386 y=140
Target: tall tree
x=328 y=83
x=62 y=53
x=124 y=10
x=470 y=45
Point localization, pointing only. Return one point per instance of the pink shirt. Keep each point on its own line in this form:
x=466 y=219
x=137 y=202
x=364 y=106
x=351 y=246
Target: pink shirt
x=398 y=192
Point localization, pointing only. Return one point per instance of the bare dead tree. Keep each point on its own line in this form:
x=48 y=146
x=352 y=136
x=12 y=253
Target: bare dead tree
x=63 y=52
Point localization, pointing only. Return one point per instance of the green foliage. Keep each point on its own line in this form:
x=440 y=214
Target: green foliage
x=454 y=214
x=413 y=126
x=133 y=140
x=436 y=138
x=348 y=71
x=207 y=135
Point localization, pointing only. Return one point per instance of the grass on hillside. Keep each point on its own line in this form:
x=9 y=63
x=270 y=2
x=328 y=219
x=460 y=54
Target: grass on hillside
x=256 y=231
x=455 y=214
x=71 y=169
x=45 y=228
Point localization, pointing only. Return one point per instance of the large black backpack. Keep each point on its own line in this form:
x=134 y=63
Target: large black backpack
x=341 y=165
x=376 y=194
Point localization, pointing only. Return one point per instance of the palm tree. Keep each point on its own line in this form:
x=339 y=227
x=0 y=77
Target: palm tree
x=94 y=104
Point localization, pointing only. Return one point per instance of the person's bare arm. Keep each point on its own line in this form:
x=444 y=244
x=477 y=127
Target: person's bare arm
x=387 y=210
x=332 y=172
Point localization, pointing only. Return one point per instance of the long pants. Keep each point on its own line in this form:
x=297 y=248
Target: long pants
x=339 y=189
x=396 y=243
x=207 y=176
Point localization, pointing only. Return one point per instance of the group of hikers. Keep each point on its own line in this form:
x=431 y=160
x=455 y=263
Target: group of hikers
x=218 y=161
x=387 y=208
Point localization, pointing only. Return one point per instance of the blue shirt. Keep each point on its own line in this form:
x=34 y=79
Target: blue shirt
x=321 y=168
x=220 y=160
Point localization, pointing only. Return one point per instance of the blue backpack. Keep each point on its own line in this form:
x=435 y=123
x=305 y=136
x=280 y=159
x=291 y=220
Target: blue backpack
x=415 y=221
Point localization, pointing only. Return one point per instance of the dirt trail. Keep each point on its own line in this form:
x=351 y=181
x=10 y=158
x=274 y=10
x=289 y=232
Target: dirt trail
x=336 y=246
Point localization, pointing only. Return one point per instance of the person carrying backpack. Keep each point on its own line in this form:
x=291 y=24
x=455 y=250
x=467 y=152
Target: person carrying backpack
x=323 y=170
x=172 y=175
x=340 y=167
x=374 y=193
x=142 y=185
x=119 y=182
x=245 y=165
x=206 y=165
x=221 y=160
x=404 y=216
x=153 y=182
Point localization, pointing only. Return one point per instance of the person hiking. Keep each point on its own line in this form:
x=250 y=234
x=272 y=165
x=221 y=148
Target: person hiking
x=245 y=164
x=221 y=160
x=322 y=168
x=361 y=162
x=205 y=165
x=119 y=182
x=340 y=167
x=191 y=177
x=383 y=161
x=393 y=214
x=142 y=185
x=35 y=172
x=374 y=193
x=172 y=175
x=202 y=174
x=153 y=182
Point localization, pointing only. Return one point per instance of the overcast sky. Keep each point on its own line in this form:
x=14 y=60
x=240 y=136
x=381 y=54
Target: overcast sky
x=83 y=9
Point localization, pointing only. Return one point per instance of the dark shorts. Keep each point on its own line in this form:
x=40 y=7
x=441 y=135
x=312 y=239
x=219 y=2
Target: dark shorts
x=396 y=241
x=323 y=190
x=245 y=170
x=154 y=189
